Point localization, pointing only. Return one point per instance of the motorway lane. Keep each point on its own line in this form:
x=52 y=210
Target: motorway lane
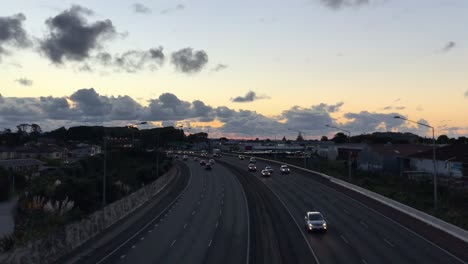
x=356 y=234
x=207 y=224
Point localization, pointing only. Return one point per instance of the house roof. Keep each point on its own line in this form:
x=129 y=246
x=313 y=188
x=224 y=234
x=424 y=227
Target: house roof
x=399 y=150
x=20 y=163
x=455 y=152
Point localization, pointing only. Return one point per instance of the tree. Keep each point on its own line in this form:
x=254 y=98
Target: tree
x=284 y=138
x=443 y=139
x=324 y=138
x=340 y=138
x=300 y=137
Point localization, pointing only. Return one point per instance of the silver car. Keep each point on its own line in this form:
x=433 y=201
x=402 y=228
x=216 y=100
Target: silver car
x=314 y=221
x=285 y=169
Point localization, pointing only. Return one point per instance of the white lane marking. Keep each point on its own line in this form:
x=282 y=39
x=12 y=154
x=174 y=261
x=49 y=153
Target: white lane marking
x=297 y=224
x=388 y=242
x=222 y=202
x=344 y=239
x=149 y=231
x=122 y=257
x=209 y=244
x=220 y=212
x=134 y=246
x=364 y=224
x=156 y=225
x=346 y=211
x=217 y=224
x=149 y=223
x=364 y=261
x=185 y=226
x=193 y=213
x=173 y=242
x=198 y=202
x=142 y=238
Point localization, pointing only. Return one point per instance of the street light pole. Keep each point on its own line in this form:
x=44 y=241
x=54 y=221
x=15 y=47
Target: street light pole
x=433 y=156
x=349 y=150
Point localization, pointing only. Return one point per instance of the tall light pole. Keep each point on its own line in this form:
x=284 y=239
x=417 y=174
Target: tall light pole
x=132 y=126
x=349 y=150
x=305 y=147
x=433 y=155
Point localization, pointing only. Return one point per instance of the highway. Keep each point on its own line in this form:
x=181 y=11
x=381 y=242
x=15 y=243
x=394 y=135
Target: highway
x=208 y=223
x=357 y=234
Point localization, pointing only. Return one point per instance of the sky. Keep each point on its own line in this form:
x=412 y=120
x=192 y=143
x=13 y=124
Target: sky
x=237 y=68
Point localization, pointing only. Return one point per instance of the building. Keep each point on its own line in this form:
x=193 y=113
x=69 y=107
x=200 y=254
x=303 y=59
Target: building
x=27 y=167
x=451 y=160
x=81 y=150
x=391 y=158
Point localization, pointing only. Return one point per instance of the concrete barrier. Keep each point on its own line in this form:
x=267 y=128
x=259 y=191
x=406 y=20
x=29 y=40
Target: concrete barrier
x=448 y=228
x=73 y=235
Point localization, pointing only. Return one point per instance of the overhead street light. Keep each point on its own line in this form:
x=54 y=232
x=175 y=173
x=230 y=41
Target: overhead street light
x=349 y=151
x=433 y=155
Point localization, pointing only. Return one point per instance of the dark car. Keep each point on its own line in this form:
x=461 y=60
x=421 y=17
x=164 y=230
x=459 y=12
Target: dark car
x=202 y=162
x=208 y=166
x=252 y=167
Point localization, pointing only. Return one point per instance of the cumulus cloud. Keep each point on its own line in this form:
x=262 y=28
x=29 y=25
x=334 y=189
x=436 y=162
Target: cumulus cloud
x=135 y=60
x=24 y=81
x=466 y=94
x=178 y=7
x=88 y=107
x=72 y=37
x=219 y=67
x=12 y=33
x=449 y=46
x=189 y=61
x=338 y=4
x=141 y=9
x=249 y=97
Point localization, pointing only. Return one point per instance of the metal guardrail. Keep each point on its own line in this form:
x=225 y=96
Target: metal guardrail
x=448 y=228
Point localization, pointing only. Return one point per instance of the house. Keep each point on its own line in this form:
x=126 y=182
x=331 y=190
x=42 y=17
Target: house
x=451 y=160
x=391 y=158
x=7 y=153
x=27 y=167
x=82 y=150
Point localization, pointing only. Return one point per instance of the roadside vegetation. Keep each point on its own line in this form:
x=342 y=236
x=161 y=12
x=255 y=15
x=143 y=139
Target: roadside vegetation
x=72 y=192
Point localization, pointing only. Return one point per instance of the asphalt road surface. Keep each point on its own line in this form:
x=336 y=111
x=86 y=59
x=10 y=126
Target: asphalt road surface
x=208 y=223
x=356 y=233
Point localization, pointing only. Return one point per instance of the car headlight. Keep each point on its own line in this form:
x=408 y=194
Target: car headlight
x=324 y=225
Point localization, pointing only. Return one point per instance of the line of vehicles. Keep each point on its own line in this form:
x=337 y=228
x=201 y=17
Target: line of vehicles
x=267 y=171
x=314 y=220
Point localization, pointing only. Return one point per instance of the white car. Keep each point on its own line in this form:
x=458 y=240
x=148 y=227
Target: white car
x=269 y=168
x=314 y=221
x=285 y=169
x=212 y=161
x=253 y=160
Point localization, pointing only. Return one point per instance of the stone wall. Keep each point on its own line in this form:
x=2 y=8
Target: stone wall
x=71 y=236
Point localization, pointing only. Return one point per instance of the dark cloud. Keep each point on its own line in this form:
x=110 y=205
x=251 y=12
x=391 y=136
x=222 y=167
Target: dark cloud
x=219 y=67
x=449 y=46
x=87 y=107
x=136 y=60
x=188 y=61
x=338 y=4
x=249 y=97
x=12 y=33
x=178 y=7
x=141 y=9
x=24 y=81
x=466 y=94
x=72 y=37
x=169 y=107
x=90 y=103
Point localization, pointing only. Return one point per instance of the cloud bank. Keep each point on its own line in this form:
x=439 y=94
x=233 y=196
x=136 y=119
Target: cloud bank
x=88 y=107
x=249 y=97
